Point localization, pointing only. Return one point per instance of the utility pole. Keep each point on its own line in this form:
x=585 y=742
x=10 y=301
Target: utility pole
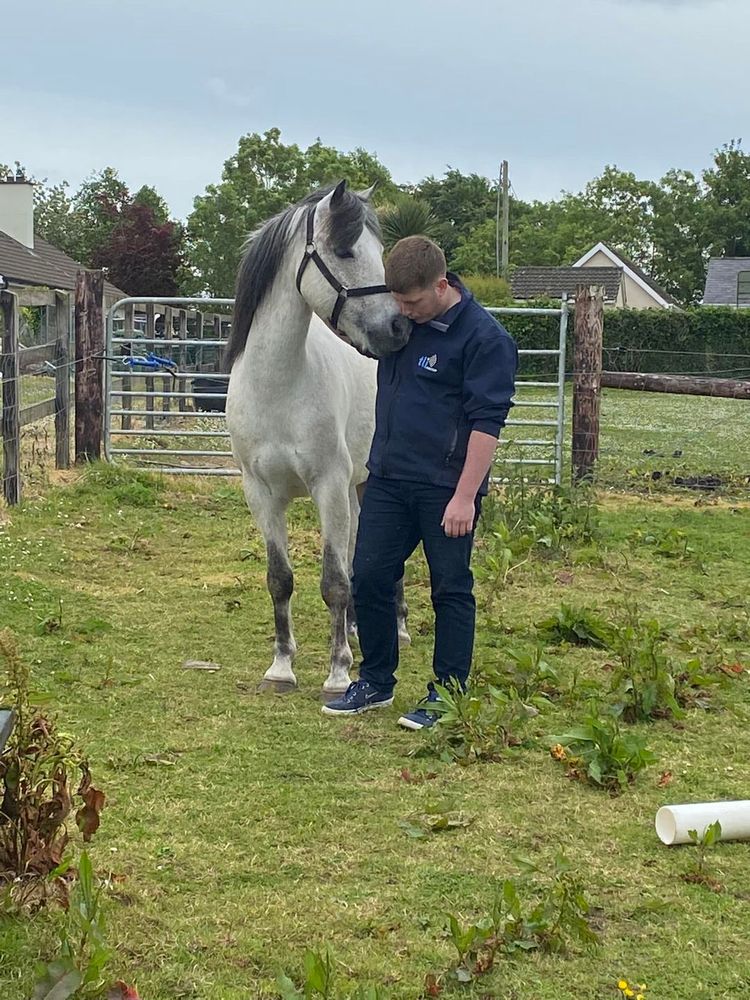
x=497 y=224
x=506 y=213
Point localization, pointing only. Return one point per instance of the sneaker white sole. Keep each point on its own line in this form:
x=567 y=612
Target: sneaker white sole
x=410 y=723
x=355 y=711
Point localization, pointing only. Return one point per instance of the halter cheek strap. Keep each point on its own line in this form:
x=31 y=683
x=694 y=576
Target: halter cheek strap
x=343 y=293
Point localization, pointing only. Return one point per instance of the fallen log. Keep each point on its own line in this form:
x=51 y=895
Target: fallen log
x=690 y=385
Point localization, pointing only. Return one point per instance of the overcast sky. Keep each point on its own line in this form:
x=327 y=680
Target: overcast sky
x=163 y=89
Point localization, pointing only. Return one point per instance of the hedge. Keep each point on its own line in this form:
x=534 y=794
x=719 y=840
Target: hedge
x=701 y=340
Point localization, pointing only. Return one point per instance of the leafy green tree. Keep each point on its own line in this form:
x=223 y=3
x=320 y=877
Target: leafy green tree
x=727 y=202
x=406 y=216
x=54 y=220
x=261 y=178
x=621 y=208
x=677 y=231
x=460 y=203
x=97 y=207
x=148 y=196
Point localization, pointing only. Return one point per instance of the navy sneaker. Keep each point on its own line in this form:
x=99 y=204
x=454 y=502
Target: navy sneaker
x=360 y=696
x=422 y=717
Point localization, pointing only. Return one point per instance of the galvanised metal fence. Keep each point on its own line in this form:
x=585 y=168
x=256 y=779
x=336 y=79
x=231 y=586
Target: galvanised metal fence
x=164 y=392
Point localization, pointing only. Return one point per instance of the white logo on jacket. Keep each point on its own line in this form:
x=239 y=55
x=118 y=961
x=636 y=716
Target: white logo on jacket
x=428 y=363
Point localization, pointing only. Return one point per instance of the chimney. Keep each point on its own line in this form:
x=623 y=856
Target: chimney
x=17 y=210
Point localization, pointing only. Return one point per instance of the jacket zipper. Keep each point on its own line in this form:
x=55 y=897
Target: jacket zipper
x=395 y=383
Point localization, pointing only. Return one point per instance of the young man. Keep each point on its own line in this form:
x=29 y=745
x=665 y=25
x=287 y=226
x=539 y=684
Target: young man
x=441 y=402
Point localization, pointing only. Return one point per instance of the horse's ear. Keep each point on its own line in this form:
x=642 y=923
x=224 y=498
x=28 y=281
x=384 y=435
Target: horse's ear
x=337 y=195
x=368 y=192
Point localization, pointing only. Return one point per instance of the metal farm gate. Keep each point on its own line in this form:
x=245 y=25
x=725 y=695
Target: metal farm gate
x=165 y=392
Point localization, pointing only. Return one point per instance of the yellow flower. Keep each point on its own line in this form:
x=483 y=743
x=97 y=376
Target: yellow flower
x=628 y=993
x=622 y=984
x=640 y=996
x=642 y=987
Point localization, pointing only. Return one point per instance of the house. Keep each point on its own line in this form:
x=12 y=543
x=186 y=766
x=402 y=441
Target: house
x=639 y=290
x=727 y=282
x=554 y=282
x=29 y=265
x=626 y=285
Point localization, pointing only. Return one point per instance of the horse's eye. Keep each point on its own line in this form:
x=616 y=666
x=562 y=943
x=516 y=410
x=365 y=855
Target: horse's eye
x=344 y=254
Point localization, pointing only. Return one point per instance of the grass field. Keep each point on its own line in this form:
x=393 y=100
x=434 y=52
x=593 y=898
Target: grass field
x=242 y=829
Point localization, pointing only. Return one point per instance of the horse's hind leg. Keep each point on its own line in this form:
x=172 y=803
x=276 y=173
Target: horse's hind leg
x=354 y=504
x=333 y=502
x=270 y=514
x=402 y=613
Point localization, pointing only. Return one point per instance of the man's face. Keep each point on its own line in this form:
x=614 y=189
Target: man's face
x=423 y=304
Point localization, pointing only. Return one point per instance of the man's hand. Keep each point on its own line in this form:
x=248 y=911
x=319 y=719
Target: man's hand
x=458 y=518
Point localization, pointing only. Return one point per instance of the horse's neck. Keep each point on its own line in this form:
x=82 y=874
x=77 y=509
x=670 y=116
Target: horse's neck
x=277 y=336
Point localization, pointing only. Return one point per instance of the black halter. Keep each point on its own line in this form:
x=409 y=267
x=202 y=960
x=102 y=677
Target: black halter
x=344 y=293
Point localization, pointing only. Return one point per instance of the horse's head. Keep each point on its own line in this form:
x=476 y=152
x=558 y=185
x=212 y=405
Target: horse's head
x=345 y=284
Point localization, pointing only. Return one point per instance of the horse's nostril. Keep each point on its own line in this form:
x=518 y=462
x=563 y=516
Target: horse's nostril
x=399 y=325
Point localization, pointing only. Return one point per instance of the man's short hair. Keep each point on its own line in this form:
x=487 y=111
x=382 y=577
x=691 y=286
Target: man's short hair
x=414 y=263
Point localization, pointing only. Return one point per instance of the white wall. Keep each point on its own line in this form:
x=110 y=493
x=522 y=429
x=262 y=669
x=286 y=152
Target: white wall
x=17 y=211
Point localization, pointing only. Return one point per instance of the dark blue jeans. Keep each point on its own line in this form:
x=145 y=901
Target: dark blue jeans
x=395 y=517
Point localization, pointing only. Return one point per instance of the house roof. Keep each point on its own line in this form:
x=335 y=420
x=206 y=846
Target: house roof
x=554 y=282
x=632 y=270
x=721 y=280
x=44 y=265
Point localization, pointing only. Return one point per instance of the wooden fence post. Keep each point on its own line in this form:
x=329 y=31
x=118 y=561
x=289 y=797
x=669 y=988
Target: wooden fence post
x=62 y=381
x=89 y=395
x=587 y=374
x=11 y=423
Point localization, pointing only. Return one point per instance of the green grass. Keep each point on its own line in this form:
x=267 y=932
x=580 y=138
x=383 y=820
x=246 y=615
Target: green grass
x=275 y=828
x=711 y=434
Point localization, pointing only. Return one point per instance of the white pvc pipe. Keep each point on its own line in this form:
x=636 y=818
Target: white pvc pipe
x=673 y=822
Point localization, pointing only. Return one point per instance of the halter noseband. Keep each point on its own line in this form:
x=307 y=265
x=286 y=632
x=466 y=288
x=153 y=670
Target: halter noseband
x=344 y=293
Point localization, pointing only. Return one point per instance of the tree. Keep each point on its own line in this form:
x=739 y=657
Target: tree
x=406 y=216
x=54 y=220
x=727 y=217
x=622 y=206
x=677 y=232
x=460 y=203
x=97 y=208
x=143 y=254
x=261 y=178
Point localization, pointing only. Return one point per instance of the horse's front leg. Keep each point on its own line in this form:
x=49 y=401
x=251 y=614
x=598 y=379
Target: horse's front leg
x=270 y=514
x=333 y=502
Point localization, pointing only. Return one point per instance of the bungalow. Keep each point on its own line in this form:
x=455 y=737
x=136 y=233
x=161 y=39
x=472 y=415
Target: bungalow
x=626 y=285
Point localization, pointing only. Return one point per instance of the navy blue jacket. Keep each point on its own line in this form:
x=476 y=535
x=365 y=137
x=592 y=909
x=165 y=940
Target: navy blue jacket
x=456 y=374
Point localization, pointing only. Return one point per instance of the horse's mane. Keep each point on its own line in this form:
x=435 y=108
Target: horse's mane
x=264 y=252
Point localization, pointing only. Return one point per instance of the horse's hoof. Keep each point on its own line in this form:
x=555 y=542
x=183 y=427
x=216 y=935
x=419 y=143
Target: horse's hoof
x=277 y=687
x=404 y=639
x=328 y=696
